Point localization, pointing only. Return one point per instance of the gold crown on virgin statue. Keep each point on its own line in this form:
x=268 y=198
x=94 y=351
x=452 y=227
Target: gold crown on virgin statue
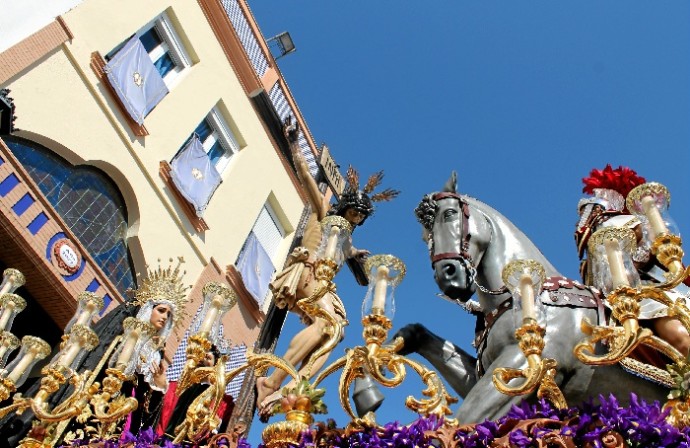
x=164 y=285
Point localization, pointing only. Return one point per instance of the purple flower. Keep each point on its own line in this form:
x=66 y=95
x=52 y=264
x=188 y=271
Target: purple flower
x=519 y=439
x=146 y=436
x=128 y=437
x=640 y=424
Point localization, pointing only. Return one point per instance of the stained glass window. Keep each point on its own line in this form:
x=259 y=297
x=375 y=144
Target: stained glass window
x=88 y=201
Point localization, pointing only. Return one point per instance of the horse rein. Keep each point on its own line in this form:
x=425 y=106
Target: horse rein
x=465 y=237
x=463 y=256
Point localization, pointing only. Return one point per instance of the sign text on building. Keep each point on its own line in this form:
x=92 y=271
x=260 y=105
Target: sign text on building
x=330 y=169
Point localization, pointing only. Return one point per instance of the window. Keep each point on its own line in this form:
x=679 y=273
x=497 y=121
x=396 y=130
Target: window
x=268 y=230
x=195 y=170
x=89 y=202
x=164 y=48
x=217 y=139
x=141 y=70
x=255 y=262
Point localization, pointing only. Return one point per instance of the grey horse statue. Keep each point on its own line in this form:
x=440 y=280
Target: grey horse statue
x=469 y=244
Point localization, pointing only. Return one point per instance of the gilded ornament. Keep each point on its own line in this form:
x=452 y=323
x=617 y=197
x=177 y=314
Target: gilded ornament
x=18 y=280
x=17 y=302
x=654 y=189
x=6 y=389
x=668 y=250
x=145 y=328
x=334 y=220
x=624 y=235
x=9 y=340
x=391 y=262
x=288 y=432
x=37 y=345
x=540 y=372
x=514 y=270
x=376 y=327
x=213 y=289
x=89 y=297
x=86 y=336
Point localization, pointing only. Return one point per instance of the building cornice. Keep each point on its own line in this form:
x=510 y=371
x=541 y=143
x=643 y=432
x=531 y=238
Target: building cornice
x=38 y=45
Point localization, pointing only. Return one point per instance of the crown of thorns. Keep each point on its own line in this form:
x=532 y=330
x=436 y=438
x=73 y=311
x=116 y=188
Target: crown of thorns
x=362 y=200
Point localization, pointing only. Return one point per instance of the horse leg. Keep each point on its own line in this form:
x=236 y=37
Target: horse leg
x=484 y=401
x=454 y=364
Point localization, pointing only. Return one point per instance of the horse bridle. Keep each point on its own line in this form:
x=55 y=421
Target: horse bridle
x=463 y=256
x=465 y=234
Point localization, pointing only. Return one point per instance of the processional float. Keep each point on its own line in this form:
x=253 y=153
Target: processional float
x=375 y=359
x=612 y=248
x=103 y=404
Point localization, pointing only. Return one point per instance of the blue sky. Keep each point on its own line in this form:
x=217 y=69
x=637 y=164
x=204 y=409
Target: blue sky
x=522 y=99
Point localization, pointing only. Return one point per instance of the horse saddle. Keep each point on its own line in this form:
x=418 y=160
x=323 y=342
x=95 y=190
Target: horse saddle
x=561 y=291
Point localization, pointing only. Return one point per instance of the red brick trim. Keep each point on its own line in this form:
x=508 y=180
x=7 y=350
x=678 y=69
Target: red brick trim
x=236 y=282
x=33 y=247
x=98 y=67
x=268 y=80
x=232 y=47
x=65 y=28
x=41 y=43
x=198 y=223
x=212 y=272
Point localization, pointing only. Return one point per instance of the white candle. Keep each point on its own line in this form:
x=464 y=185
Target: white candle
x=614 y=256
x=7 y=287
x=68 y=355
x=527 y=297
x=86 y=314
x=656 y=222
x=6 y=314
x=211 y=314
x=23 y=364
x=379 y=304
x=128 y=348
x=332 y=244
x=3 y=350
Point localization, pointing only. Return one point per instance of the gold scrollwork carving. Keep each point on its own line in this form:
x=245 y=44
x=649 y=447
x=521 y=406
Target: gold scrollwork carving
x=540 y=372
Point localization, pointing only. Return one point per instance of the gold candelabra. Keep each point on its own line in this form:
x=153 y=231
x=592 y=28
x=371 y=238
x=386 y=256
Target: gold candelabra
x=108 y=403
x=55 y=375
x=33 y=349
x=218 y=299
x=624 y=301
x=201 y=417
x=376 y=357
x=8 y=343
x=524 y=279
x=649 y=201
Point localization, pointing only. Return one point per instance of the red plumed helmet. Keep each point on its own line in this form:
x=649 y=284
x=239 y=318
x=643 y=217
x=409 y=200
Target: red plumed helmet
x=621 y=179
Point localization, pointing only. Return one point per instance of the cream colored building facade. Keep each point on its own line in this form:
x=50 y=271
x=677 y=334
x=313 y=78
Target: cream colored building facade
x=224 y=74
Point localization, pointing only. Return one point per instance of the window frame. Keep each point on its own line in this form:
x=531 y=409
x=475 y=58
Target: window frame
x=279 y=226
x=282 y=231
x=170 y=44
x=222 y=133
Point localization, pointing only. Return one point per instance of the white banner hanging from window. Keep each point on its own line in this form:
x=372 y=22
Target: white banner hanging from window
x=136 y=80
x=256 y=268
x=194 y=175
